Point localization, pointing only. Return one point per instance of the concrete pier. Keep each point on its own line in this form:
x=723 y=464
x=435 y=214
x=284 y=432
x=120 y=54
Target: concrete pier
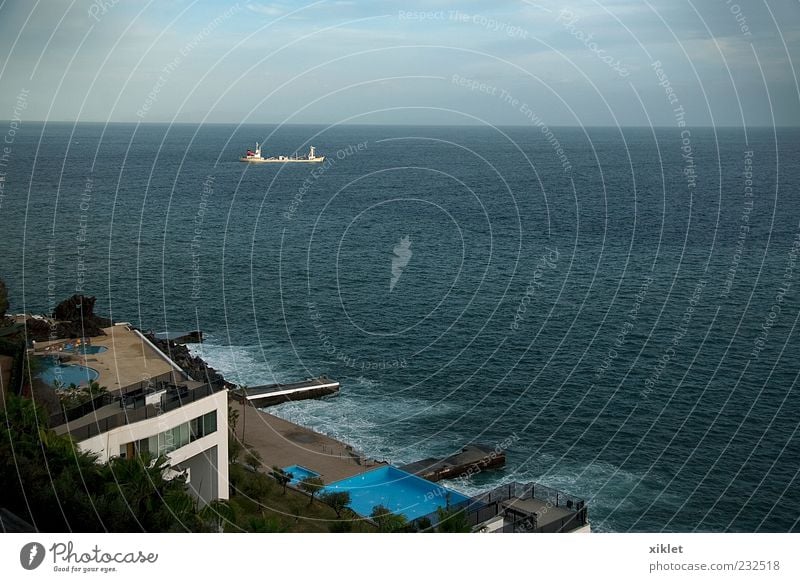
x=471 y=460
x=272 y=394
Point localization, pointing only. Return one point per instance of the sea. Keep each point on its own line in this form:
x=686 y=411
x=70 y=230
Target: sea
x=615 y=308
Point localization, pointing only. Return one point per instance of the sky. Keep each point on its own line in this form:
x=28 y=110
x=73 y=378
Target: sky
x=574 y=63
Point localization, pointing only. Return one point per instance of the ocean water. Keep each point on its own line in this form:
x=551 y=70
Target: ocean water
x=618 y=309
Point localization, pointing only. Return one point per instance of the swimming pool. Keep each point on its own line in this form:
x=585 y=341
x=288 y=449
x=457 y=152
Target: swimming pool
x=397 y=490
x=84 y=349
x=299 y=473
x=53 y=372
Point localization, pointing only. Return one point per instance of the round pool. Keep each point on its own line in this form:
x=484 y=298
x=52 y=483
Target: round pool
x=84 y=349
x=66 y=374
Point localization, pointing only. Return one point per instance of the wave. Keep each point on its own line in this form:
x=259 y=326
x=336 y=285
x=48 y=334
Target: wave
x=252 y=365
x=365 y=415
x=372 y=418
x=606 y=488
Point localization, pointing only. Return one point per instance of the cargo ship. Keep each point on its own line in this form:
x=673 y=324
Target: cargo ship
x=254 y=156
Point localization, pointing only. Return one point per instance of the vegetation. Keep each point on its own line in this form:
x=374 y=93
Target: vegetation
x=311 y=485
x=451 y=520
x=252 y=458
x=387 y=521
x=282 y=477
x=49 y=482
x=234 y=444
x=12 y=343
x=338 y=500
x=260 y=506
x=73 y=396
x=3 y=299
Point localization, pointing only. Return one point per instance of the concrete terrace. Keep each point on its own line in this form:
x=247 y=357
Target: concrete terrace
x=282 y=443
x=128 y=361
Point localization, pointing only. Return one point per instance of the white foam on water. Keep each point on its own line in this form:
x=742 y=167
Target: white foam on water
x=242 y=364
x=379 y=426
x=363 y=415
x=601 y=484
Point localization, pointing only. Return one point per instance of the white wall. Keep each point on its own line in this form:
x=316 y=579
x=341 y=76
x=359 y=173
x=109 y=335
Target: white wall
x=107 y=444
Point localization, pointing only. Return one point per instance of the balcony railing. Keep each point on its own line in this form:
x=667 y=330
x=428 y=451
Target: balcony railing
x=139 y=411
x=488 y=505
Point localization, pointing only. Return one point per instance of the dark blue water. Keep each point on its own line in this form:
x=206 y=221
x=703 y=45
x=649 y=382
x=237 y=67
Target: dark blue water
x=600 y=310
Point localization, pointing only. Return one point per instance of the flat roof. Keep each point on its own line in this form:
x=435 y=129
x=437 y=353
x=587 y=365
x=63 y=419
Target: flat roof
x=128 y=361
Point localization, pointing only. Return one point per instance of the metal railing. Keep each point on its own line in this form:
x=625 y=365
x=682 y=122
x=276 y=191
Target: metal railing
x=544 y=493
x=167 y=377
x=76 y=412
x=489 y=504
x=130 y=415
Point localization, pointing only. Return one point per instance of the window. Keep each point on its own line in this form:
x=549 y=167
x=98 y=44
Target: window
x=173 y=438
x=204 y=425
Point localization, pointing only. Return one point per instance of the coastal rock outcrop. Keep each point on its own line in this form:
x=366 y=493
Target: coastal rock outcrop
x=72 y=318
x=192 y=365
x=77 y=319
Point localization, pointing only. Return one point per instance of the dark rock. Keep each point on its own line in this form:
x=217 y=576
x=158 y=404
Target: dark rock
x=39 y=330
x=193 y=337
x=75 y=308
x=76 y=318
x=192 y=365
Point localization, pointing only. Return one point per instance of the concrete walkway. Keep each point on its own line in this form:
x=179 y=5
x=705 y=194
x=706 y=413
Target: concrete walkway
x=282 y=443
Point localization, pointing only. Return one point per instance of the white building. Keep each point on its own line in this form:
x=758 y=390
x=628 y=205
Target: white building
x=188 y=425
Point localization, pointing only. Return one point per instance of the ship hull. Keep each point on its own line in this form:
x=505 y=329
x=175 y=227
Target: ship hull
x=276 y=161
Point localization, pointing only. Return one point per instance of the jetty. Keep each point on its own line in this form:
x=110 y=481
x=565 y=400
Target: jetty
x=272 y=394
x=470 y=460
x=182 y=337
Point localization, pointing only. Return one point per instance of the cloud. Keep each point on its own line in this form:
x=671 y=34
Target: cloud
x=112 y=65
x=266 y=9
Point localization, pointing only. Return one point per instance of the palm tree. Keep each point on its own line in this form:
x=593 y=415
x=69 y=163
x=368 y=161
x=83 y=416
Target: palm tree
x=83 y=495
x=243 y=389
x=233 y=417
x=234 y=444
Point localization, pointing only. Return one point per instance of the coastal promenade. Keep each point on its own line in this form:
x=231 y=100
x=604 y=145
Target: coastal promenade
x=283 y=443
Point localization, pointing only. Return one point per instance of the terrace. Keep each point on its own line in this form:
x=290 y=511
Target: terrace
x=527 y=508
x=110 y=411
x=123 y=359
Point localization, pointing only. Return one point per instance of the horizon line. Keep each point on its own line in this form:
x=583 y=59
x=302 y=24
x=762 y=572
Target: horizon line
x=317 y=124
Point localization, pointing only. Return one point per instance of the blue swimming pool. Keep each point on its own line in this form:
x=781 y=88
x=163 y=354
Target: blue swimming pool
x=299 y=473
x=84 y=349
x=396 y=490
x=53 y=372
